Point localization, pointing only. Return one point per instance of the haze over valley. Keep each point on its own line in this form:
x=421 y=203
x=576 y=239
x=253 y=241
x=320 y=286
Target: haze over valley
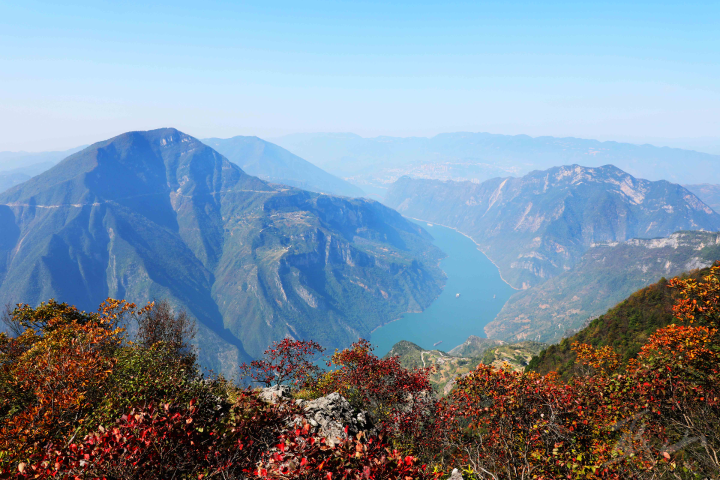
x=543 y=230
x=160 y=215
x=404 y=240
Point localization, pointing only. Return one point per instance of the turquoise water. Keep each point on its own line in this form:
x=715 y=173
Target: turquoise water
x=451 y=319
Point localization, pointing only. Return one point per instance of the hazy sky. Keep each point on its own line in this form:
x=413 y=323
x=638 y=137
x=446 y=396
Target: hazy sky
x=78 y=72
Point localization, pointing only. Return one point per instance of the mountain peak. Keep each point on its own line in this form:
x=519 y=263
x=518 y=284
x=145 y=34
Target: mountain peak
x=134 y=164
x=158 y=138
x=159 y=214
x=539 y=225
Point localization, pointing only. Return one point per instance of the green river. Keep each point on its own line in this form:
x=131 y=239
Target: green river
x=451 y=318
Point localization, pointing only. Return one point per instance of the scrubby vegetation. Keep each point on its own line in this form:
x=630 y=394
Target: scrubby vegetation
x=625 y=328
x=80 y=399
x=445 y=368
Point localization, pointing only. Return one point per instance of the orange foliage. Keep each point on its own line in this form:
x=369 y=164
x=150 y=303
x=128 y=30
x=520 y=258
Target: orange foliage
x=52 y=371
x=656 y=416
x=604 y=359
x=699 y=301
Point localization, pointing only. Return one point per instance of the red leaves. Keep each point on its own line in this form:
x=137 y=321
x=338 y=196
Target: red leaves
x=167 y=443
x=618 y=421
x=305 y=456
x=379 y=385
x=54 y=369
x=286 y=362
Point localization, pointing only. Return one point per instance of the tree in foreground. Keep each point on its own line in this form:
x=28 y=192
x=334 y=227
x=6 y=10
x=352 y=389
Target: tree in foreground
x=78 y=399
x=82 y=400
x=289 y=362
x=656 y=416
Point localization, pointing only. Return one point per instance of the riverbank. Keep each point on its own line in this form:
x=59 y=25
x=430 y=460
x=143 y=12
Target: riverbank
x=451 y=319
x=473 y=240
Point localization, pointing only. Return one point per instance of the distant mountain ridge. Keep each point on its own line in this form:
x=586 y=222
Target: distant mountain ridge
x=18 y=167
x=275 y=164
x=12 y=178
x=33 y=163
x=708 y=193
x=538 y=226
x=481 y=156
x=606 y=275
x=161 y=215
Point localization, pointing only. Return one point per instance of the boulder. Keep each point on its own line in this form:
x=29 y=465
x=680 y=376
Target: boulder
x=456 y=475
x=332 y=414
x=275 y=393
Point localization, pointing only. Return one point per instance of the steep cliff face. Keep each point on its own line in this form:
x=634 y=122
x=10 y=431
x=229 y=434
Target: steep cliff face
x=538 y=226
x=605 y=275
x=160 y=215
x=708 y=193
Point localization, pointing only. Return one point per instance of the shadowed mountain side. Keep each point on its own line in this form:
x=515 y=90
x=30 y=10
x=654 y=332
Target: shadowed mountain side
x=275 y=164
x=160 y=215
x=539 y=226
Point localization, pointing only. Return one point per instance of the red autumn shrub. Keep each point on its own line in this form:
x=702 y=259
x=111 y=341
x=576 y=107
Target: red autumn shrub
x=302 y=455
x=400 y=402
x=379 y=385
x=516 y=425
x=287 y=362
x=168 y=442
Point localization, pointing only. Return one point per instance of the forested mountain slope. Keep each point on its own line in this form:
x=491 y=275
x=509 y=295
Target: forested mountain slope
x=625 y=327
x=159 y=214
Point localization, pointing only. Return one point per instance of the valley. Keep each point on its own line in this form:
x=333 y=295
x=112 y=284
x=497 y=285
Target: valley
x=159 y=215
x=538 y=226
x=359 y=240
x=451 y=319
x=605 y=275
x=290 y=256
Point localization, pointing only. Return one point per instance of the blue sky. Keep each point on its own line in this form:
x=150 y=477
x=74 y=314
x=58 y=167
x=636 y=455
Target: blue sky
x=77 y=72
